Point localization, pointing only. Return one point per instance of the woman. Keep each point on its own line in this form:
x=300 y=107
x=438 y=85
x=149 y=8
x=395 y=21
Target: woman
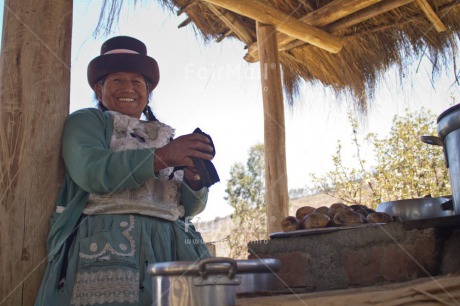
x=123 y=203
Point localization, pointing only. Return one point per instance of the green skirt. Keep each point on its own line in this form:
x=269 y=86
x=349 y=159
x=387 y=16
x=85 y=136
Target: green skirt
x=106 y=262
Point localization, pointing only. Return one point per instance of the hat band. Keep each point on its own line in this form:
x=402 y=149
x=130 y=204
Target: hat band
x=115 y=51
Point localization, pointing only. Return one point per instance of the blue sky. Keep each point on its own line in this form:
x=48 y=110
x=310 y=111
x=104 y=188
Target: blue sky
x=212 y=87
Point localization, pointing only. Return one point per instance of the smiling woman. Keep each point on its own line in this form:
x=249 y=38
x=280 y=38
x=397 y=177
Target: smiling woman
x=124 y=92
x=124 y=203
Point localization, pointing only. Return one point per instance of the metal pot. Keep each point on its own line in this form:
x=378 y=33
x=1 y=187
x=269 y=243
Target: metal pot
x=416 y=209
x=449 y=139
x=210 y=282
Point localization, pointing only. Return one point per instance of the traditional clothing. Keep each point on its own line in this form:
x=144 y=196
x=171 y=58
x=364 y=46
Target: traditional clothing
x=114 y=215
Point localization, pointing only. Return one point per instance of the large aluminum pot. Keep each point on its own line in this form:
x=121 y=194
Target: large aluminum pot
x=416 y=209
x=210 y=282
x=449 y=139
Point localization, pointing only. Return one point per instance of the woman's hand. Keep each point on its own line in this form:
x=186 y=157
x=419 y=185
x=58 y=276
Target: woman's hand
x=192 y=178
x=179 y=151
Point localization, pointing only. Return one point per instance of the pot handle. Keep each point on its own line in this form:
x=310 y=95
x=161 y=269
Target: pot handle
x=436 y=141
x=231 y=271
x=448 y=205
x=432 y=140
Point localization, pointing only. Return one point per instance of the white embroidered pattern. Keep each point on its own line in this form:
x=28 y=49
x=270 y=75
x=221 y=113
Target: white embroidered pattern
x=156 y=197
x=112 y=286
x=109 y=248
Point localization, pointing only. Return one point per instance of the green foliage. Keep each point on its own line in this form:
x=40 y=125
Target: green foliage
x=245 y=193
x=405 y=167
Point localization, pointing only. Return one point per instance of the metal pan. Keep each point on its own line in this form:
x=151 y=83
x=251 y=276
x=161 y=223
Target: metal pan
x=420 y=208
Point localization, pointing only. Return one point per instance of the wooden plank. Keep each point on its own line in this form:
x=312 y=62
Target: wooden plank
x=276 y=189
x=325 y=15
x=431 y=15
x=283 y=22
x=34 y=102
x=233 y=23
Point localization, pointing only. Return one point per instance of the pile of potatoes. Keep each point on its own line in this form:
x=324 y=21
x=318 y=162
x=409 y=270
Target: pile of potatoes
x=338 y=214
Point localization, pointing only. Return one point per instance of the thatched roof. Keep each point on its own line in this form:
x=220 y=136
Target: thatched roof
x=375 y=35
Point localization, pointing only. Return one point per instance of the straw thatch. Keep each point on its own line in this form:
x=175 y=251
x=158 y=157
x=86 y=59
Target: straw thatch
x=396 y=37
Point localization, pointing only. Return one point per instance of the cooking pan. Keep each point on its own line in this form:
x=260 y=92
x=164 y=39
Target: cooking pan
x=419 y=208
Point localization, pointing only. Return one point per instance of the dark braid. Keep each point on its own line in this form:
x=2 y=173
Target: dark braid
x=101 y=106
x=149 y=114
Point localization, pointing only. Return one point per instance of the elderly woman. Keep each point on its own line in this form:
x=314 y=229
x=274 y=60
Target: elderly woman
x=123 y=204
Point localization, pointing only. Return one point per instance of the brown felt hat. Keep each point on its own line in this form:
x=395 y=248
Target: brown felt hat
x=123 y=54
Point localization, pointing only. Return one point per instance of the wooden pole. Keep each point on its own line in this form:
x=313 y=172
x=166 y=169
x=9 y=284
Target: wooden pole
x=34 y=102
x=333 y=11
x=431 y=15
x=276 y=188
x=283 y=22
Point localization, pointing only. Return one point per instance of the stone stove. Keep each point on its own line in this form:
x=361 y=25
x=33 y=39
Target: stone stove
x=366 y=256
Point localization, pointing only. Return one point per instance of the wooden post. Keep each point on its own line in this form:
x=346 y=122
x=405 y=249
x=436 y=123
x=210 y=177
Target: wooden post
x=34 y=102
x=276 y=189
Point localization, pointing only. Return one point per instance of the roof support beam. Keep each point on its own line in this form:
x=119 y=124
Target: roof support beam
x=233 y=23
x=276 y=187
x=187 y=7
x=363 y=15
x=323 y=16
x=431 y=15
x=284 y=23
x=367 y=13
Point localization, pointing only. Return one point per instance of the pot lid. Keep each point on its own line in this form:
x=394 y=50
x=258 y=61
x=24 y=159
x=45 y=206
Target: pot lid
x=215 y=265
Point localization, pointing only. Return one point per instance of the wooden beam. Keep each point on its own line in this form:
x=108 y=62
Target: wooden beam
x=34 y=102
x=441 y=10
x=283 y=22
x=431 y=15
x=358 y=17
x=325 y=15
x=221 y=37
x=233 y=23
x=276 y=189
x=187 y=7
x=366 y=14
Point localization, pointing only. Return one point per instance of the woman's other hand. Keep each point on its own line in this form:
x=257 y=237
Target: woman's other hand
x=178 y=153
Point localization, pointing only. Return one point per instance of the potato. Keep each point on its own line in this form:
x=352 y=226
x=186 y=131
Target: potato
x=324 y=210
x=290 y=223
x=379 y=217
x=303 y=211
x=314 y=220
x=336 y=207
x=361 y=209
x=347 y=218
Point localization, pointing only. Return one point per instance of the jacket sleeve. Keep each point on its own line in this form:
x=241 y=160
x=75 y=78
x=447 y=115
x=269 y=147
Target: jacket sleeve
x=194 y=202
x=90 y=162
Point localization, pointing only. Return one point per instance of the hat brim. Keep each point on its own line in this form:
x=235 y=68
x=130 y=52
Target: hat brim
x=122 y=62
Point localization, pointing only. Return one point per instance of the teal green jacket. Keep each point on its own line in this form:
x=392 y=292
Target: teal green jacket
x=92 y=168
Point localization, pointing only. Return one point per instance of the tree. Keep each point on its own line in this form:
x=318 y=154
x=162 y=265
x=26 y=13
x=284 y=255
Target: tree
x=405 y=167
x=245 y=193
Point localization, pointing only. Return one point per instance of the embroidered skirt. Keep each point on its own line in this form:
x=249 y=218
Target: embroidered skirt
x=108 y=258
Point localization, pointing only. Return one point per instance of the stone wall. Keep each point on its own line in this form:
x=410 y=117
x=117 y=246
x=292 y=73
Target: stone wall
x=373 y=255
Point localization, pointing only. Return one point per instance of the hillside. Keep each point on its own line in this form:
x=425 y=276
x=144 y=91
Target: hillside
x=219 y=230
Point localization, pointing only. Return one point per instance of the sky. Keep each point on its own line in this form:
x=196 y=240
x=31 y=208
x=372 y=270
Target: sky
x=211 y=86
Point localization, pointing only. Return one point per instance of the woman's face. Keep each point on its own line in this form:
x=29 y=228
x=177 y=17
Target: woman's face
x=123 y=92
